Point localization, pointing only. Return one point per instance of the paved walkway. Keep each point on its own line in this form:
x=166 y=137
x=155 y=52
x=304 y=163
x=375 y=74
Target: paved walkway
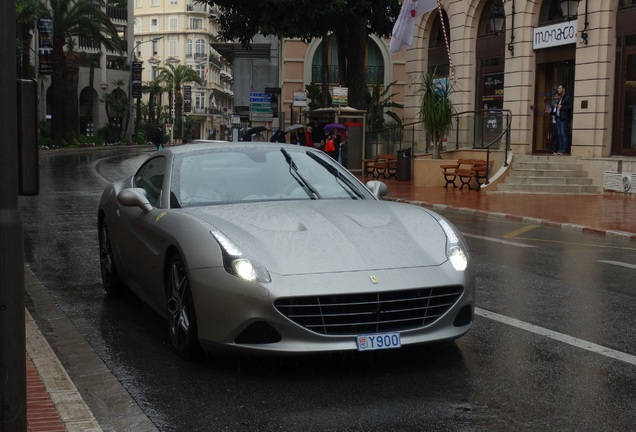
x=54 y=404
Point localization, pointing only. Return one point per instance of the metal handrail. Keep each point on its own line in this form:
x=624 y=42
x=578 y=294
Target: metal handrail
x=504 y=133
x=390 y=139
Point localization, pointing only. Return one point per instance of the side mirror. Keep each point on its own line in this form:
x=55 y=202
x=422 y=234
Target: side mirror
x=378 y=188
x=134 y=197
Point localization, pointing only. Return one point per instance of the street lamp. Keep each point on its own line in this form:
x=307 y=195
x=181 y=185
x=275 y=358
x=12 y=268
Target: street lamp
x=130 y=93
x=497 y=20
x=569 y=9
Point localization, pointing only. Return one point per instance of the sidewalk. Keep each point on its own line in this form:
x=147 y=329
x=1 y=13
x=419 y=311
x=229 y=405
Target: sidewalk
x=54 y=404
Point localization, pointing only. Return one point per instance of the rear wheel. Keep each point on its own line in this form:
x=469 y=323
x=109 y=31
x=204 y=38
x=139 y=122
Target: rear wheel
x=110 y=278
x=181 y=317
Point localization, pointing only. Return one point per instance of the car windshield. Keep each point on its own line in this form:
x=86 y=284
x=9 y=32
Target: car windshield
x=260 y=174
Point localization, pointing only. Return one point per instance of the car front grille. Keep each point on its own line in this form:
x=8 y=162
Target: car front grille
x=376 y=312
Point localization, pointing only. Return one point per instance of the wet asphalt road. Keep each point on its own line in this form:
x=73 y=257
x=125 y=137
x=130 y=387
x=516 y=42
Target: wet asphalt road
x=553 y=346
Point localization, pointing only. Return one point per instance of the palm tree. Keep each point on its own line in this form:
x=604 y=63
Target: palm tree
x=27 y=12
x=117 y=107
x=378 y=100
x=154 y=89
x=178 y=75
x=436 y=109
x=73 y=18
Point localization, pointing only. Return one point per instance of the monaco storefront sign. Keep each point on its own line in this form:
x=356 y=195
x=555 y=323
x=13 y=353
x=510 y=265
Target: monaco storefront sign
x=554 y=35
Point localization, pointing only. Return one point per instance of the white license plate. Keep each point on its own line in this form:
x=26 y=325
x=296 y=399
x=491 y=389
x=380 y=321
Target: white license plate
x=378 y=341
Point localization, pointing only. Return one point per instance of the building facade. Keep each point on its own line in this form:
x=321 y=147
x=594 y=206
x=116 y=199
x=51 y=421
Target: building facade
x=589 y=48
x=181 y=32
x=101 y=72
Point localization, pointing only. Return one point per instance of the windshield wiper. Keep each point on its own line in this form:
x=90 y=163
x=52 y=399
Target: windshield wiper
x=340 y=176
x=293 y=170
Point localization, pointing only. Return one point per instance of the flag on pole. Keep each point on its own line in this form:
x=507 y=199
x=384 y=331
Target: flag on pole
x=206 y=73
x=404 y=27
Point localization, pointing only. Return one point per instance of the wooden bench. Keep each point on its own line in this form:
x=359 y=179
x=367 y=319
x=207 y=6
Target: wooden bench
x=466 y=170
x=384 y=165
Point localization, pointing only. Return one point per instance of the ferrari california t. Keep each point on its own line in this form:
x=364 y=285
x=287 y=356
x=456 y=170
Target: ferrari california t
x=276 y=248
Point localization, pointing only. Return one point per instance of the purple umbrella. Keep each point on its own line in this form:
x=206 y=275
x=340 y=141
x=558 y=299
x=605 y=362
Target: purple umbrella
x=332 y=126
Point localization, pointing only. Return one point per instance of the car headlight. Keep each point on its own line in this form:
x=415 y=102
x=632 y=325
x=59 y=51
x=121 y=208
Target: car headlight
x=456 y=250
x=237 y=264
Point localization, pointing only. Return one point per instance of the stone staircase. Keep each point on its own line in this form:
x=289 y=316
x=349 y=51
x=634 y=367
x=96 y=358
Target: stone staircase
x=551 y=174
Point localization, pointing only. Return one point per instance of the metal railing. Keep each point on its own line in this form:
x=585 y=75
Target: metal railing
x=484 y=129
x=479 y=129
x=372 y=73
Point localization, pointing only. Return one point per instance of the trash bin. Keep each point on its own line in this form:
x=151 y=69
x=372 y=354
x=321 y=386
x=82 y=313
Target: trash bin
x=404 y=164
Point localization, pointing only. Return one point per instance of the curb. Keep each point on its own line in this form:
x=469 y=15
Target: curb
x=525 y=219
x=65 y=400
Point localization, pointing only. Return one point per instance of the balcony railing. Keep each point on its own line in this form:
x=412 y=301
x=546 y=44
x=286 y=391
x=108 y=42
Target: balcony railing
x=86 y=43
x=194 y=7
x=89 y=44
x=117 y=13
x=372 y=73
x=215 y=61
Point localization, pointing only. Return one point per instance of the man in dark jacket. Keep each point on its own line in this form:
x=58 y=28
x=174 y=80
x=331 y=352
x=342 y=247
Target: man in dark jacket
x=564 y=119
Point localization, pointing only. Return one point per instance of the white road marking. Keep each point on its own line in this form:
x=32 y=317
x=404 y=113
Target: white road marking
x=579 y=343
x=496 y=240
x=619 y=264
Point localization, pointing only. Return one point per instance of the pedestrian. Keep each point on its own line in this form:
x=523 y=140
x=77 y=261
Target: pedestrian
x=555 y=133
x=279 y=136
x=342 y=153
x=564 y=119
x=301 y=138
x=330 y=146
x=158 y=138
x=309 y=141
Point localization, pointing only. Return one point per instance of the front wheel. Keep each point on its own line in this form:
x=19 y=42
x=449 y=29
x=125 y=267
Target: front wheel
x=181 y=317
x=110 y=278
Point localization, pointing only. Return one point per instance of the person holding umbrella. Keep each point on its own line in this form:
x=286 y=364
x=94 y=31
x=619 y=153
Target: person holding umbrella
x=331 y=143
x=279 y=136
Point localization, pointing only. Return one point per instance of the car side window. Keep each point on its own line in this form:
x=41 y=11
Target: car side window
x=150 y=178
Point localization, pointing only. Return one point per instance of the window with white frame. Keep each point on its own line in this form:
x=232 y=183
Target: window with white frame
x=200 y=68
x=172 y=46
x=137 y=25
x=154 y=24
x=189 y=48
x=173 y=23
x=200 y=50
x=196 y=24
x=199 y=101
x=153 y=73
x=154 y=2
x=139 y=3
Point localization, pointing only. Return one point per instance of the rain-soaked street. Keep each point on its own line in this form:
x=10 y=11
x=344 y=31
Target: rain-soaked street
x=553 y=346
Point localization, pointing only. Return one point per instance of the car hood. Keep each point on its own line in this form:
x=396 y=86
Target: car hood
x=300 y=237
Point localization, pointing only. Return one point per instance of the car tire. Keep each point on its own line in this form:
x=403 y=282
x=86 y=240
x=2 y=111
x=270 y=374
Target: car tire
x=110 y=277
x=180 y=307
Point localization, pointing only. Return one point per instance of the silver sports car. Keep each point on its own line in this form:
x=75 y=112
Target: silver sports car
x=276 y=248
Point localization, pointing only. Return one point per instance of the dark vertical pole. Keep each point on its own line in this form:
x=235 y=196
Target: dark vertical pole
x=12 y=336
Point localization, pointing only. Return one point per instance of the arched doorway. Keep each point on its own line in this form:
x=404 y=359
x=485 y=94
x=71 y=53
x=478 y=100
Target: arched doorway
x=89 y=104
x=625 y=120
x=438 y=61
x=490 y=61
x=555 y=66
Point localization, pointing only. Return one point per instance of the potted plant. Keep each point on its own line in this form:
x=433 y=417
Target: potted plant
x=436 y=109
